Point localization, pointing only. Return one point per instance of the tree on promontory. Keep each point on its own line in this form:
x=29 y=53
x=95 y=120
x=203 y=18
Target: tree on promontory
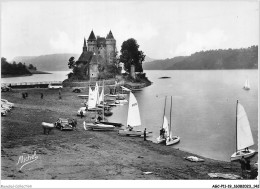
x=71 y=63
x=14 y=68
x=130 y=55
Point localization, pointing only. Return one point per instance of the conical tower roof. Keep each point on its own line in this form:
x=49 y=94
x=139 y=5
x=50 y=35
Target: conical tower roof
x=92 y=36
x=84 y=45
x=85 y=48
x=110 y=35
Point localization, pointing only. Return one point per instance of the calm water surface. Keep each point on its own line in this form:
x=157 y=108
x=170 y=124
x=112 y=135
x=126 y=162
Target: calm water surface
x=204 y=108
x=54 y=76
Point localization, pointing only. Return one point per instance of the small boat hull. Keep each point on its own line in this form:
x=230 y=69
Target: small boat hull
x=113 y=104
x=98 y=127
x=173 y=140
x=238 y=155
x=112 y=123
x=83 y=96
x=108 y=113
x=133 y=133
x=160 y=140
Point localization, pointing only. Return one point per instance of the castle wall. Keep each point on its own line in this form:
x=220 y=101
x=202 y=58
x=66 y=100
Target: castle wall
x=92 y=46
x=106 y=50
x=102 y=52
x=110 y=48
x=93 y=71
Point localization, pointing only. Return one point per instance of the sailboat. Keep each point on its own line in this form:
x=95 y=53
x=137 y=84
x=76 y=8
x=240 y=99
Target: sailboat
x=244 y=137
x=91 y=103
x=170 y=140
x=97 y=126
x=162 y=137
x=247 y=85
x=133 y=119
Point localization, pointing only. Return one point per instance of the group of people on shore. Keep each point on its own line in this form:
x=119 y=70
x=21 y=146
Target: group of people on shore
x=25 y=95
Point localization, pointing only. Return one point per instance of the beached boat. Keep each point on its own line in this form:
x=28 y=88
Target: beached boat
x=98 y=126
x=107 y=113
x=83 y=96
x=121 y=101
x=244 y=137
x=105 y=106
x=247 y=85
x=170 y=140
x=125 y=89
x=162 y=137
x=133 y=119
x=164 y=77
x=112 y=123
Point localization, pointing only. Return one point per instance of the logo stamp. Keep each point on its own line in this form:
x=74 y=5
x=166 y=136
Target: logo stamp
x=26 y=159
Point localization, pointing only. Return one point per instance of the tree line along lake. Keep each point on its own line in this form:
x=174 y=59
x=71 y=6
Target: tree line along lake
x=203 y=109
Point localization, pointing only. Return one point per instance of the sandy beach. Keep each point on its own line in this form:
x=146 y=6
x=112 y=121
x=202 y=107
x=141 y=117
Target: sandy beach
x=87 y=155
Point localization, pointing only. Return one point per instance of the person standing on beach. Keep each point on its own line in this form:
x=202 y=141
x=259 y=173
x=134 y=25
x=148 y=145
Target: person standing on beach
x=74 y=123
x=59 y=94
x=23 y=95
x=248 y=168
x=145 y=134
x=41 y=95
x=81 y=114
x=243 y=165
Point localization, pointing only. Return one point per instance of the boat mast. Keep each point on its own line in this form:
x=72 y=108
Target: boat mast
x=164 y=110
x=170 y=117
x=103 y=103
x=236 y=125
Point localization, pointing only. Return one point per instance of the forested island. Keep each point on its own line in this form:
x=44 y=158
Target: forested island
x=17 y=69
x=243 y=58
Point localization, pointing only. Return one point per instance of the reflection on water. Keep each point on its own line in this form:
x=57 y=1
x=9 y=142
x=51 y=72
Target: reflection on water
x=204 y=105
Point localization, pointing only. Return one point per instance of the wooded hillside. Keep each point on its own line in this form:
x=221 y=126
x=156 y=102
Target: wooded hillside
x=244 y=58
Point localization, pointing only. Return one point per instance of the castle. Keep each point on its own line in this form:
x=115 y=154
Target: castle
x=98 y=53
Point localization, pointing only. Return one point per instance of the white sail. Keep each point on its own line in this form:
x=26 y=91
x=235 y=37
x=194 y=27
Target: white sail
x=247 y=85
x=97 y=93
x=133 y=118
x=91 y=98
x=166 y=126
x=101 y=96
x=244 y=134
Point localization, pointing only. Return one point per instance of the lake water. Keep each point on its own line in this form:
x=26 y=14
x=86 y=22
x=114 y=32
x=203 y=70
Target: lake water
x=204 y=106
x=54 y=76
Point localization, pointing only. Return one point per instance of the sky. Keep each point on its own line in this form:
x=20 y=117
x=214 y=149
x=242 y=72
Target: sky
x=163 y=29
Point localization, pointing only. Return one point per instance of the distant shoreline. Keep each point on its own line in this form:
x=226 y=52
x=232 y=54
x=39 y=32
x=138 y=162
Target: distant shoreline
x=23 y=75
x=205 y=69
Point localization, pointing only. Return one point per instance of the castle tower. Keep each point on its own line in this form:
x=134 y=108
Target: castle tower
x=85 y=48
x=92 y=42
x=110 y=47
